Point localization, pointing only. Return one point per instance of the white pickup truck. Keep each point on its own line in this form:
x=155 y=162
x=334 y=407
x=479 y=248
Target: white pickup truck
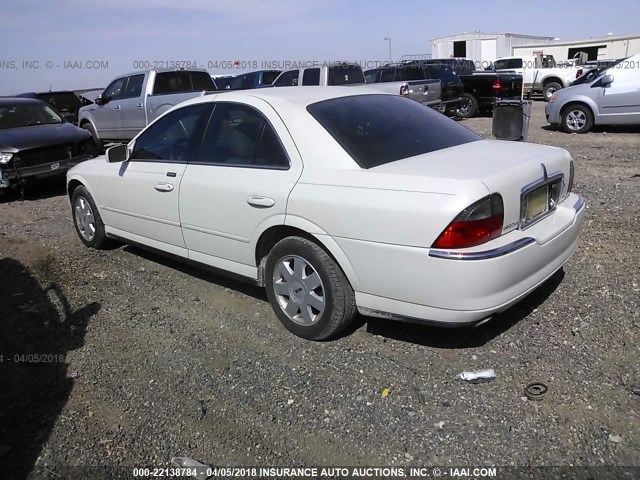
x=540 y=73
x=134 y=100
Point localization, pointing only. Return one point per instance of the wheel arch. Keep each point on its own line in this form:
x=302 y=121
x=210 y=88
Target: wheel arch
x=550 y=79
x=302 y=228
x=582 y=102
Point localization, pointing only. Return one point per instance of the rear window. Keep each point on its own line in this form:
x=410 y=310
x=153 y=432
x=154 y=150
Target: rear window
x=409 y=73
x=63 y=102
x=379 y=129
x=444 y=73
x=507 y=64
x=345 y=75
x=181 y=81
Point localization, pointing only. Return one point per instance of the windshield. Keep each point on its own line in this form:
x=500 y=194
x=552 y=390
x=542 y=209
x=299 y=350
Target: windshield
x=63 y=102
x=26 y=115
x=379 y=129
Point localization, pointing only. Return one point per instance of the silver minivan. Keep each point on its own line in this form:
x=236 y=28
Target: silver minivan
x=611 y=99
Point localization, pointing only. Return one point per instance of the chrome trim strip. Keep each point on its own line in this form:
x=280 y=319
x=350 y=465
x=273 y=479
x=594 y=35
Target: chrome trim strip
x=215 y=233
x=579 y=205
x=485 y=255
x=143 y=217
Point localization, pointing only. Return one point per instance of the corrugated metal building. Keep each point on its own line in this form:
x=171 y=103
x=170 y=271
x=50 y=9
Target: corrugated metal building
x=597 y=49
x=482 y=48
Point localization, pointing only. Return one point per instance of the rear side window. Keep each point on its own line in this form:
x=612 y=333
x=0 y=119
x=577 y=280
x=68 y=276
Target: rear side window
x=240 y=136
x=345 y=75
x=311 y=76
x=63 y=102
x=181 y=81
x=379 y=129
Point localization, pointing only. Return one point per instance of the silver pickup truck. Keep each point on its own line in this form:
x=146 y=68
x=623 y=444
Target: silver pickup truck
x=427 y=92
x=134 y=100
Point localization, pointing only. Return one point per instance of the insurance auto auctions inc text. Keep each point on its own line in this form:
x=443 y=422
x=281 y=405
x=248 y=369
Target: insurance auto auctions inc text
x=354 y=472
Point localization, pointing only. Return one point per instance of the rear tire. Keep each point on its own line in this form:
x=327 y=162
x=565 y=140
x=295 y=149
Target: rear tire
x=468 y=108
x=307 y=290
x=577 y=119
x=87 y=220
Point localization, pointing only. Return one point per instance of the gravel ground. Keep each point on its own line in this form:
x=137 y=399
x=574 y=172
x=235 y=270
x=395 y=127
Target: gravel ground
x=154 y=359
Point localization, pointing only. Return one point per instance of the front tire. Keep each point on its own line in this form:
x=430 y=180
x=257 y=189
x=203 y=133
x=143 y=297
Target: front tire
x=469 y=106
x=549 y=89
x=98 y=146
x=577 y=119
x=307 y=290
x=87 y=220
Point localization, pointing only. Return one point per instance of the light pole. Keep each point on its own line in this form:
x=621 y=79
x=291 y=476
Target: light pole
x=388 y=39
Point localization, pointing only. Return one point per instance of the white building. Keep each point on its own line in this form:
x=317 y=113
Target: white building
x=597 y=49
x=482 y=47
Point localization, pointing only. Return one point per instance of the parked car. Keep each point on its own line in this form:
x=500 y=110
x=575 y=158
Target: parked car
x=36 y=142
x=260 y=78
x=132 y=101
x=540 y=73
x=611 y=99
x=450 y=84
x=427 y=92
x=338 y=200
x=481 y=89
x=66 y=103
x=391 y=79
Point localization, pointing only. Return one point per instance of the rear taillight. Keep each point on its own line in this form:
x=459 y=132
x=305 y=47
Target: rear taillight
x=404 y=90
x=477 y=224
x=571 y=174
x=497 y=86
x=579 y=73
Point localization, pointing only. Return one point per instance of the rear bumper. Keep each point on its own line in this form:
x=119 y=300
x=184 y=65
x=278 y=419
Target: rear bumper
x=10 y=175
x=459 y=288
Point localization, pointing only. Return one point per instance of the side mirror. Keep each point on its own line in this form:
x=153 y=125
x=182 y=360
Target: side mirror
x=118 y=154
x=102 y=100
x=606 y=80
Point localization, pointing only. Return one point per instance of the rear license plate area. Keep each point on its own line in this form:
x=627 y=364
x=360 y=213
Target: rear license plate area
x=540 y=202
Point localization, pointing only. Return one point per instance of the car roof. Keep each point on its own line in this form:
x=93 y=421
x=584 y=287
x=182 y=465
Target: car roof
x=287 y=96
x=9 y=101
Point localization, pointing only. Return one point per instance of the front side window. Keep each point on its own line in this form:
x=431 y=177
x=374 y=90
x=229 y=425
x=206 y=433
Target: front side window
x=173 y=137
x=239 y=135
x=115 y=91
x=288 y=79
x=379 y=129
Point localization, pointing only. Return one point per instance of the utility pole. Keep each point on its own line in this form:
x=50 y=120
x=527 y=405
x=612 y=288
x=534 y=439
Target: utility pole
x=388 y=39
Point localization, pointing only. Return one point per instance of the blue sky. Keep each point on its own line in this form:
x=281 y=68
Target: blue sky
x=121 y=32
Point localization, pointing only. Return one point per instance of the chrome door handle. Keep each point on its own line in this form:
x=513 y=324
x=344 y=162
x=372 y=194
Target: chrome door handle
x=163 y=187
x=140 y=105
x=117 y=107
x=260 y=202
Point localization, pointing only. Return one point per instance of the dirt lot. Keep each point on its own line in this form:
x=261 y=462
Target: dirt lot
x=147 y=359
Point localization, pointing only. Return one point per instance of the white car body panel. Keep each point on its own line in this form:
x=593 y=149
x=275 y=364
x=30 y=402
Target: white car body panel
x=378 y=224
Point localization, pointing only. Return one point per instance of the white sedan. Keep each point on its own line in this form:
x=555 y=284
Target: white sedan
x=338 y=200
